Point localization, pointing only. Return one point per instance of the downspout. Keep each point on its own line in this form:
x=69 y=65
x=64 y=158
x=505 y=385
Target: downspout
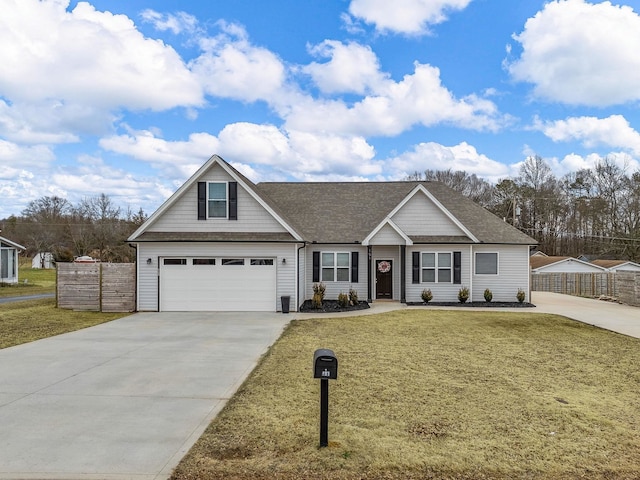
x=471 y=272
x=298 y=275
x=403 y=273
x=135 y=247
x=369 y=289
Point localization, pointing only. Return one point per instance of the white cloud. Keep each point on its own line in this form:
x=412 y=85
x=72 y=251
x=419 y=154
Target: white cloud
x=614 y=131
x=433 y=156
x=270 y=150
x=88 y=58
x=418 y=98
x=580 y=53
x=573 y=162
x=232 y=67
x=176 y=159
x=353 y=68
x=176 y=23
x=16 y=158
x=405 y=16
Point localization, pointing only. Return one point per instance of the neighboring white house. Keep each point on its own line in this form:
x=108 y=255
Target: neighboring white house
x=557 y=264
x=43 y=260
x=9 y=260
x=618 y=265
x=222 y=243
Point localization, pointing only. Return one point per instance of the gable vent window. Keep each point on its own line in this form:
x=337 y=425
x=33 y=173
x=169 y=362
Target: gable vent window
x=217 y=200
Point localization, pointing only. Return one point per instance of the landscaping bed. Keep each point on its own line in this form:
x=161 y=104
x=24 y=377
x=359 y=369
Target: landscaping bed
x=474 y=304
x=330 y=306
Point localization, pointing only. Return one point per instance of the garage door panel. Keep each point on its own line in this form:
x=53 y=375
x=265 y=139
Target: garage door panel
x=188 y=287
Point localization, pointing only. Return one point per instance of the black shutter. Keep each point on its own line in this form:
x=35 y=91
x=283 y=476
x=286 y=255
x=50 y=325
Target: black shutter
x=457 y=267
x=354 y=267
x=316 y=266
x=233 y=200
x=202 y=200
x=415 y=268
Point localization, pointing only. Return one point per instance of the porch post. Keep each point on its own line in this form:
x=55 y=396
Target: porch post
x=403 y=273
x=369 y=290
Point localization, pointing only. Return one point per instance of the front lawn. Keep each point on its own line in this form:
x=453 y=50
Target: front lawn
x=26 y=321
x=434 y=394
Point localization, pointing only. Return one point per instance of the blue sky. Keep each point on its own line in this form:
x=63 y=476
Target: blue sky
x=130 y=97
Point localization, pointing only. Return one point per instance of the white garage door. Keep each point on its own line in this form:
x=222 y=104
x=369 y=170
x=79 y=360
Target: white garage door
x=217 y=284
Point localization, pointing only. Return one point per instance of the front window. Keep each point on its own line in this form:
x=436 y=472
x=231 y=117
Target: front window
x=335 y=266
x=436 y=267
x=217 y=200
x=486 y=263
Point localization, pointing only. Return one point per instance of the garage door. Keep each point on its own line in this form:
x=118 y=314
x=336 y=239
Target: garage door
x=217 y=284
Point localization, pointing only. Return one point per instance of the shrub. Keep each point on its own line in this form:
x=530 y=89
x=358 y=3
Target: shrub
x=463 y=294
x=426 y=295
x=520 y=295
x=318 y=294
x=343 y=300
x=353 y=297
x=488 y=296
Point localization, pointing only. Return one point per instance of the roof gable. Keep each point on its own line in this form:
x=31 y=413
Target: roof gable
x=560 y=264
x=8 y=243
x=178 y=213
x=421 y=214
x=387 y=233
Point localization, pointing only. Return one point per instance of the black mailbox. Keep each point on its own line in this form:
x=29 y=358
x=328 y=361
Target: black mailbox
x=325 y=364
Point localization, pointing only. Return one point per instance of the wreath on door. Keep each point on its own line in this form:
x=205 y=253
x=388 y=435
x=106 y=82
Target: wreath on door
x=384 y=266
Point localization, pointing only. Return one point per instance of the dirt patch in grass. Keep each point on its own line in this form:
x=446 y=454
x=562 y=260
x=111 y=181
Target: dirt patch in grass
x=434 y=394
x=30 y=320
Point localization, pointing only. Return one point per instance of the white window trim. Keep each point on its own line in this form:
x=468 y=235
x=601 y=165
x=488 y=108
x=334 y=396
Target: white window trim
x=436 y=268
x=475 y=265
x=335 y=267
x=226 y=209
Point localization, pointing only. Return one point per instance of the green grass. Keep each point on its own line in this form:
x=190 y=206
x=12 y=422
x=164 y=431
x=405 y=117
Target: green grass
x=37 y=281
x=425 y=394
x=29 y=320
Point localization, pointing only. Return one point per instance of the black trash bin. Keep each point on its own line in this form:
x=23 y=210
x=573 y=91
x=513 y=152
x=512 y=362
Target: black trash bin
x=285 y=303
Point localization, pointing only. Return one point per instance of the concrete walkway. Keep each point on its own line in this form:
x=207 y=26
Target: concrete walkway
x=26 y=297
x=126 y=399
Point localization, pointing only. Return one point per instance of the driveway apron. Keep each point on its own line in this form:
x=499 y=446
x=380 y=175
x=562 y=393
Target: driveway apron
x=126 y=399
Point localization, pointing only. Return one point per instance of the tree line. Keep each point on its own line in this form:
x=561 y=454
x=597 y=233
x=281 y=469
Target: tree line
x=94 y=227
x=593 y=212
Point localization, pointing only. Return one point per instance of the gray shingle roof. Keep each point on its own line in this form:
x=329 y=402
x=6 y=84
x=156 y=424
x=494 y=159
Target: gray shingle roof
x=345 y=212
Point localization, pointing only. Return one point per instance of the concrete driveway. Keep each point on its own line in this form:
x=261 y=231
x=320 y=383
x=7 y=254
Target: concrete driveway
x=618 y=318
x=126 y=399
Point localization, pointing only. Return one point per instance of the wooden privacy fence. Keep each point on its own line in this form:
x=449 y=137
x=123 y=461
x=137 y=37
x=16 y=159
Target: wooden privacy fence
x=625 y=286
x=104 y=287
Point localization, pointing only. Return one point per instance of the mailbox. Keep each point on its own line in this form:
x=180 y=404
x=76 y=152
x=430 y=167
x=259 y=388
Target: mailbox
x=325 y=364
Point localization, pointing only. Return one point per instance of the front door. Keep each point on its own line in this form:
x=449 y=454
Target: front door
x=384 y=279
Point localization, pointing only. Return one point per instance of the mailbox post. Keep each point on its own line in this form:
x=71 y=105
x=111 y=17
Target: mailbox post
x=325 y=367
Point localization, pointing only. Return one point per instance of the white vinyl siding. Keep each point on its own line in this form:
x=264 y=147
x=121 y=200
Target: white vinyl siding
x=513 y=273
x=387 y=236
x=182 y=216
x=148 y=274
x=420 y=216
